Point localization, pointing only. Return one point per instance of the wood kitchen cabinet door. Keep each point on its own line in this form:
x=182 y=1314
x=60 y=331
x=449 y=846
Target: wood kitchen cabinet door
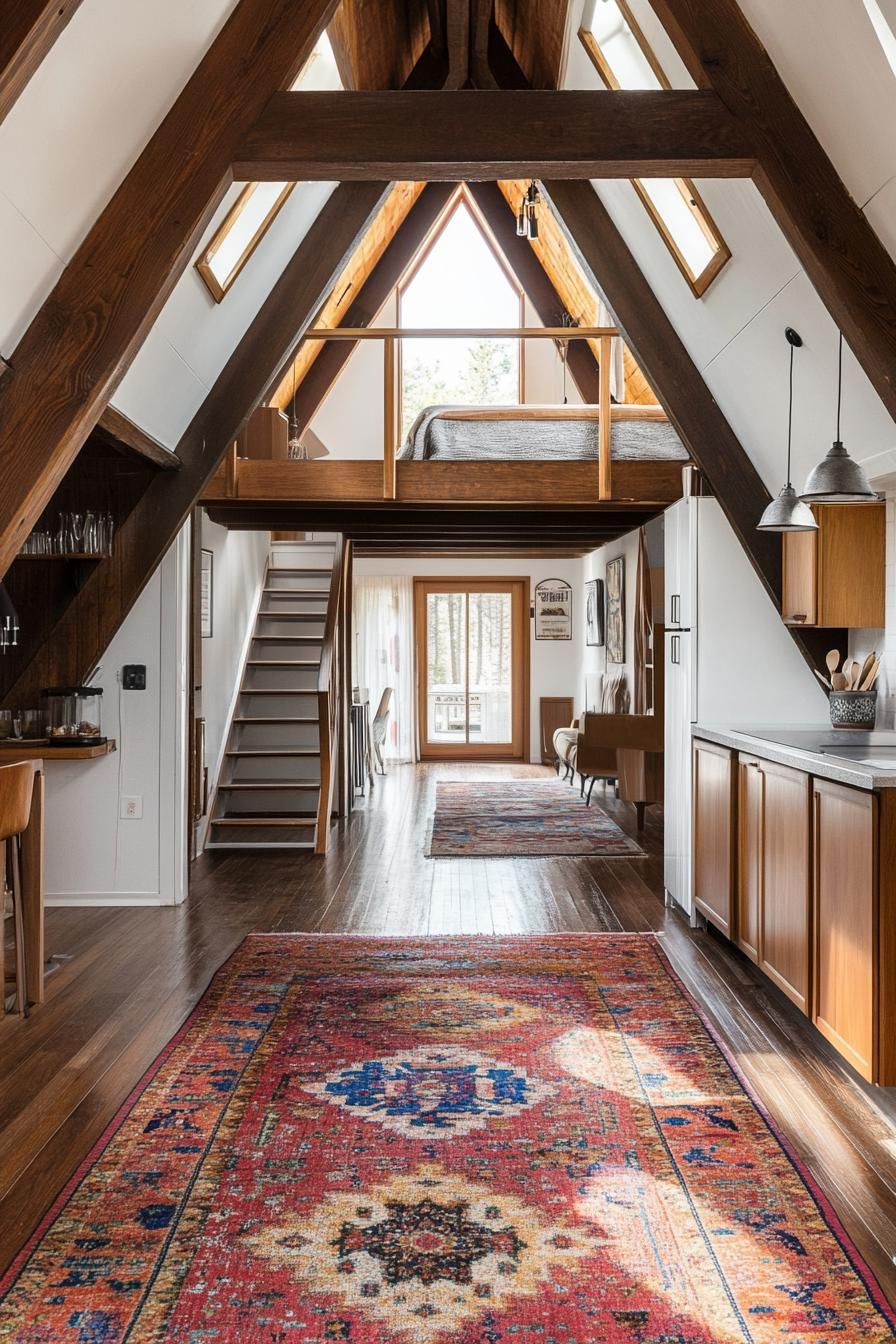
x=786 y=886
x=845 y=978
x=713 y=838
x=799 y=604
x=750 y=809
x=835 y=576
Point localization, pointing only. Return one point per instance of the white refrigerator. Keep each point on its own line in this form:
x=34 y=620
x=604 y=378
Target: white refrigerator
x=730 y=663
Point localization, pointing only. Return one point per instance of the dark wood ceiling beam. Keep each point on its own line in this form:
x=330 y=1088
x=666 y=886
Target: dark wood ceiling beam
x=672 y=373
x=79 y=346
x=334 y=356
x=493 y=133
x=457 y=38
x=535 y=281
x=28 y=30
x=853 y=272
x=480 y=72
x=121 y=433
x=265 y=349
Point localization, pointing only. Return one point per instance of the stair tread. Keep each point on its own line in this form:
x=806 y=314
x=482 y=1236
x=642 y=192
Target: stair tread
x=279 y=719
x=291 y=616
x=288 y=639
x=269 y=786
x=274 y=751
x=274 y=690
x=282 y=662
x=264 y=821
x=299 y=569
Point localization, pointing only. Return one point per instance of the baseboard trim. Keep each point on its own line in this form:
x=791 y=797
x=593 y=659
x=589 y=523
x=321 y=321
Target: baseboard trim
x=61 y=898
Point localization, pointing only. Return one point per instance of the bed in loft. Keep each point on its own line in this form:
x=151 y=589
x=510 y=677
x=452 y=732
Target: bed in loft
x=539 y=434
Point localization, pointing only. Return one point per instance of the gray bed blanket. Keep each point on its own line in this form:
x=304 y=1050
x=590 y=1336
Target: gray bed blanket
x=434 y=437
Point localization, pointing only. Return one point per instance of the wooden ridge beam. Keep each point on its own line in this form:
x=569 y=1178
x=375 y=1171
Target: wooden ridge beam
x=27 y=32
x=672 y=373
x=83 y=338
x=143 y=540
x=521 y=259
x=493 y=133
x=334 y=355
x=853 y=272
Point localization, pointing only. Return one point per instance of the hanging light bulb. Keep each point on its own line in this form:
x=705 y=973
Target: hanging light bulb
x=788 y=513
x=295 y=447
x=522 y=220
x=837 y=479
x=527 y=217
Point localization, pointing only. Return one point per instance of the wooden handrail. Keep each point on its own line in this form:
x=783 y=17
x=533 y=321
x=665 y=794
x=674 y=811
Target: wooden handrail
x=328 y=691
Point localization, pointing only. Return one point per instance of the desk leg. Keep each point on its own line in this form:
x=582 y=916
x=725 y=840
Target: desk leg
x=33 y=892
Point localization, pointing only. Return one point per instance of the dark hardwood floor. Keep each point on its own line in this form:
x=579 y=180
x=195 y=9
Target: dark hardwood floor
x=132 y=975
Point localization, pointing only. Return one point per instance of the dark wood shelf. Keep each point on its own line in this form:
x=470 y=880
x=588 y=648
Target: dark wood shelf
x=43 y=751
x=85 y=555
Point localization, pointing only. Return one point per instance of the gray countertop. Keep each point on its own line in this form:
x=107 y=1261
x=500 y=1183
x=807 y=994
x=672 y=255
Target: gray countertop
x=865 y=760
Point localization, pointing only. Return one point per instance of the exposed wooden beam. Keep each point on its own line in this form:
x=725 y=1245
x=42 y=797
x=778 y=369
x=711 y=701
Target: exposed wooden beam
x=853 y=272
x=146 y=535
x=493 y=133
x=116 y=429
x=28 y=29
x=480 y=71
x=80 y=344
x=334 y=355
x=457 y=35
x=674 y=376
x=534 y=279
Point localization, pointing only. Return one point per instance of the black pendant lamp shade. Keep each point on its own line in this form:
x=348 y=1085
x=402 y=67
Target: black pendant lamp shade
x=788 y=513
x=837 y=479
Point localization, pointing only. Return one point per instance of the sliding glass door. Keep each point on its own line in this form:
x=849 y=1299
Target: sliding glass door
x=472 y=668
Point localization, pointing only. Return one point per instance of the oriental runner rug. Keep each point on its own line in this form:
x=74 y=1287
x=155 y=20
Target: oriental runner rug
x=521 y=818
x=454 y=1141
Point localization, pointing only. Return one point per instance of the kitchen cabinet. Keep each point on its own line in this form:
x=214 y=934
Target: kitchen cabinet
x=835 y=576
x=713 y=820
x=800 y=872
x=844 y=999
x=773 y=873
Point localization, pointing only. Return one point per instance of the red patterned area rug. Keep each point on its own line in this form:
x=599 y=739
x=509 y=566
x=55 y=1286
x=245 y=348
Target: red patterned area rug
x=453 y=1141
x=521 y=818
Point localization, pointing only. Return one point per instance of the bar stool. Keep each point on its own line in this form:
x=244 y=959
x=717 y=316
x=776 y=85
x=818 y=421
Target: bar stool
x=16 y=788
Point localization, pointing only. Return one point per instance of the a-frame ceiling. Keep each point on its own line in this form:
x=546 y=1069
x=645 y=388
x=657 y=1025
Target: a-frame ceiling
x=573 y=294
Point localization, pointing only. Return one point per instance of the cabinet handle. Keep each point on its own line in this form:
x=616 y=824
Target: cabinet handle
x=798 y=618
x=675 y=653
x=676 y=609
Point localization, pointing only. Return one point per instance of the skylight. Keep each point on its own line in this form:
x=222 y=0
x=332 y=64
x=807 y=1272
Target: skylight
x=259 y=203
x=883 y=30
x=624 y=60
x=459 y=282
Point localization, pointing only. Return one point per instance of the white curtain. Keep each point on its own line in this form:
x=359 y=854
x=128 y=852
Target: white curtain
x=383 y=620
x=617 y=369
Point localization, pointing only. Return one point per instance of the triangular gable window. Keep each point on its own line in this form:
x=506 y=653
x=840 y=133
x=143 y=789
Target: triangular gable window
x=459 y=281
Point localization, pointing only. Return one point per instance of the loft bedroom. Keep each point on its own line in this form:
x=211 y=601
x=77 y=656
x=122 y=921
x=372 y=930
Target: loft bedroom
x=432 y=374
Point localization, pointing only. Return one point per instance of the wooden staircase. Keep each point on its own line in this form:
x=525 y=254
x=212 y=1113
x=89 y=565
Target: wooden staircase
x=275 y=786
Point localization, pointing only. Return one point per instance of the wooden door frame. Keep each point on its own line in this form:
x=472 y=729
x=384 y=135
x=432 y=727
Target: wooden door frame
x=520 y=588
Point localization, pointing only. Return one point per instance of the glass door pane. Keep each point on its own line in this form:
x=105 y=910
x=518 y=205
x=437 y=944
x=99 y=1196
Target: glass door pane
x=490 y=670
x=446 y=668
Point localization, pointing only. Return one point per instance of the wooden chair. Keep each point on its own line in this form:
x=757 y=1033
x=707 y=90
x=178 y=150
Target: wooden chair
x=16 y=789
x=378 y=727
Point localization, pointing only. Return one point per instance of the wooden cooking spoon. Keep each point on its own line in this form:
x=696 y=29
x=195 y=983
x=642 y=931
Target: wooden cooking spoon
x=839 y=681
x=833 y=661
x=866 y=668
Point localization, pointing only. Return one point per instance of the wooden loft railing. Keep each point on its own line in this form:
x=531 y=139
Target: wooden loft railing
x=602 y=336
x=330 y=690
x=650 y=482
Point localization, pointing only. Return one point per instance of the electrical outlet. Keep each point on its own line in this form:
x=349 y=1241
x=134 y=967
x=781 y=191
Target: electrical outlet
x=131 y=807
x=133 y=677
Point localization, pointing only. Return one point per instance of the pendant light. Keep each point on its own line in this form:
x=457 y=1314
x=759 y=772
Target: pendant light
x=527 y=214
x=788 y=513
x=295 y=447
x=837 y=479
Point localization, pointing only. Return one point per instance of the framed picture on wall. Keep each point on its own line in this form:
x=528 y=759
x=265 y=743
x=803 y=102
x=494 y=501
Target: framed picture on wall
x=616 y=610
x=553 y=609
x=206 y=594
x=594 y=612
